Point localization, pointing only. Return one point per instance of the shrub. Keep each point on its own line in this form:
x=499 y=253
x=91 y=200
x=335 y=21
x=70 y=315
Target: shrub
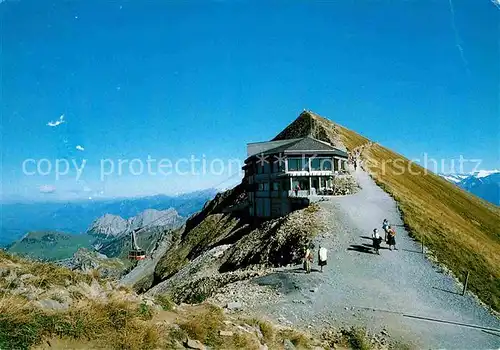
x=205 y=324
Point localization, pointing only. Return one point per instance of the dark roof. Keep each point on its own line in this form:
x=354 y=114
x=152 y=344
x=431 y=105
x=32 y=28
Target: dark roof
x=306 y=144
x=260 y=147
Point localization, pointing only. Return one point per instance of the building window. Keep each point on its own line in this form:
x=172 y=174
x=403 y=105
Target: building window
x=267 y=167
x=298 y=164
x=260 y=168
x=293 y=164
x=276 y=186
x=315 y=164
x=326 y=163
x=263 y=186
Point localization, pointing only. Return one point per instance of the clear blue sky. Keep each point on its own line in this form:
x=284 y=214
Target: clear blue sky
x=172 y=79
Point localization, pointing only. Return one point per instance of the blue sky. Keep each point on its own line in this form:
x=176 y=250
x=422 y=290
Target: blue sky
x=176 y=79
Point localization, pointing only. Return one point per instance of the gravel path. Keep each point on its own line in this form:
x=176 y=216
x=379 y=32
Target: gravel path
x=395 y=283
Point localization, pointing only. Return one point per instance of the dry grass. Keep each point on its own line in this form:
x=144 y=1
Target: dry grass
x=44 y=274
x=114 y=324
x=204 y=322
x=461 y=230
x=274 y=336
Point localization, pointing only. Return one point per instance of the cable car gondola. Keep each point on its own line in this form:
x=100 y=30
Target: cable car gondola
x=136 y=253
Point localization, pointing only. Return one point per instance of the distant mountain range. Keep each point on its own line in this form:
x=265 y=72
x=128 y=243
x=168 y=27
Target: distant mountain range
x=17 y=219
x=484 y=184
x=108 y=234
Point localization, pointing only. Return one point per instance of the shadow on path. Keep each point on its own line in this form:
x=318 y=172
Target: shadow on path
x=412 y=251
x=371 y=246
x=361 y=248
x=445 y=290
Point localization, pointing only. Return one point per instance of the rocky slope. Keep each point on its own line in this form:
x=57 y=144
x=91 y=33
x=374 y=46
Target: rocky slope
x=43 y=306
x=86 y=260
x=219 y=245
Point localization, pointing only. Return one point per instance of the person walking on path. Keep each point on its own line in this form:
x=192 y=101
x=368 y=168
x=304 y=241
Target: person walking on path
x=385 y=227
x=376 y=241
x=322 y=257
x=391 y=238
x=308 y=259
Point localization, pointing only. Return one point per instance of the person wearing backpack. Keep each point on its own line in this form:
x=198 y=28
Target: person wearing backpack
x=391 y=238
x=385 y=227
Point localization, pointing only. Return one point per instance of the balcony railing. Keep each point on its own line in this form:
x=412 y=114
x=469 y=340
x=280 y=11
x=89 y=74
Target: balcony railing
x=301 y=193
x=312 y=192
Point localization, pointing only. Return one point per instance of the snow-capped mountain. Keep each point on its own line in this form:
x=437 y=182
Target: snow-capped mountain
x=455 y=178
x=484 y=184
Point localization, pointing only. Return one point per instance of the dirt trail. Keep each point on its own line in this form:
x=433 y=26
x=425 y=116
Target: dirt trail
x=400 y=285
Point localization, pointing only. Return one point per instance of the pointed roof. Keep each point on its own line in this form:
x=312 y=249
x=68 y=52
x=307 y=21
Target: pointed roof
x=261 y=147
x=302 y=145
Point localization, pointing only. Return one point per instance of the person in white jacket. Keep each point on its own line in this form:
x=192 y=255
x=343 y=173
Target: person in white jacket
x=322 y=257
x=376 y=240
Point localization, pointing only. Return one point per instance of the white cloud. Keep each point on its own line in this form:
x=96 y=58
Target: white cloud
x=47 y=189
x=57 y=122
x=80 y=148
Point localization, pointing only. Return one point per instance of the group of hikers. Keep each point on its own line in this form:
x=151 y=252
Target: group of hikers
x=389 y=238
x=308 y=258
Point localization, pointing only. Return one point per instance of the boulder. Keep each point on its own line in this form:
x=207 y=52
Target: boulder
x=234 y=305
x=50 y=304
x=194 y=344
